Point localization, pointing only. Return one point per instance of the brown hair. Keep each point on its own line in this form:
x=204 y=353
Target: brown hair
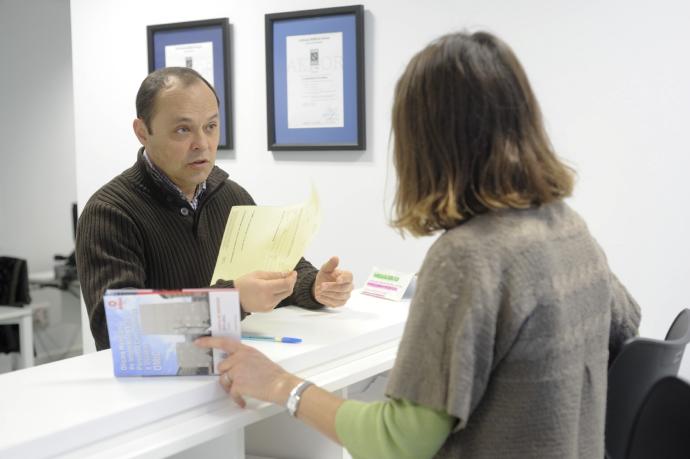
x=468 y=136
x=160 y=79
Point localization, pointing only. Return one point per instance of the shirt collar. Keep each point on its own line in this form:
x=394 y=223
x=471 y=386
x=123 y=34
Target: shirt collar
x=162 y=179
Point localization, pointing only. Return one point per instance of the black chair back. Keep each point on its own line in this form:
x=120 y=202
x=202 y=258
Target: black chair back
x=662 y=426
x=14 y=282
x=641 y=363
x=680 y=328
x=14 y=291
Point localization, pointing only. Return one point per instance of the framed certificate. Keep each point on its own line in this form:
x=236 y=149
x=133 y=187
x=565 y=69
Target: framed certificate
x=203 y=46
x=315 y=79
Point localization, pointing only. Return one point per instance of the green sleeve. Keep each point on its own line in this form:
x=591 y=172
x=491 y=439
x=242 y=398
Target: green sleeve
x=392 y=429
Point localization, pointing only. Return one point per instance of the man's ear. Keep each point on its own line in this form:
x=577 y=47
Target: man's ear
x=141 y=131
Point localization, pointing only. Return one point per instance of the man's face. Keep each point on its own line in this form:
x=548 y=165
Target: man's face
x=184 y=134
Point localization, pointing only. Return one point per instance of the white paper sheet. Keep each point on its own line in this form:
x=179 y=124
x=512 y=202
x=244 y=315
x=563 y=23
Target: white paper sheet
x=315 y=80
x=197 y=56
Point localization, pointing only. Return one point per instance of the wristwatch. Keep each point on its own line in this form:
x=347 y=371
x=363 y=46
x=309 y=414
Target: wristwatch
x=295 y=397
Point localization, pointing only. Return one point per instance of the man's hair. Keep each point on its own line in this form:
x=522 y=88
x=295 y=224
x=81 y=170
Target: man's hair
x=163 y=79
x=468 y=136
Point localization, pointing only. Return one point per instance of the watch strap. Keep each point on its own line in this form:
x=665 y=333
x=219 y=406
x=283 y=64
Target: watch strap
x=296 y=395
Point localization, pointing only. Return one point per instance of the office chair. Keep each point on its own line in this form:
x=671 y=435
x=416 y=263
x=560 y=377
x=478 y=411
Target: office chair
x=662 y=426
x=641 y=363
x=14 y=282
x=14 y=291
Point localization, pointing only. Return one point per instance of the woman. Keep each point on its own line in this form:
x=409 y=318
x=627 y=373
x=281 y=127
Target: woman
x=516 y=312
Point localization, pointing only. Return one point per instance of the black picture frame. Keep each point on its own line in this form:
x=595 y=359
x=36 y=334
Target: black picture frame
x=189 y=40
x=325 y=124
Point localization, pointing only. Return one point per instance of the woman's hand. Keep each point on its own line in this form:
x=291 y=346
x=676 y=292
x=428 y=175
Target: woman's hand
x=248 y=372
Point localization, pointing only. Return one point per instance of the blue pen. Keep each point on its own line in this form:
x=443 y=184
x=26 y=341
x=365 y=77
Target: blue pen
x=277 y=339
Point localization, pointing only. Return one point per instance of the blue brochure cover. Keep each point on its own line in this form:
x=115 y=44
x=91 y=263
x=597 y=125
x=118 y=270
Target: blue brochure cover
x=152 y=333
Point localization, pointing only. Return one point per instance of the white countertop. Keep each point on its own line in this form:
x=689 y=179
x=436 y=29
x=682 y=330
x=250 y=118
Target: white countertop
x=62 y=406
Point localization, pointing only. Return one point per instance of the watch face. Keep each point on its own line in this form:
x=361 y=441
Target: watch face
x=292 y=404
x=295 y=395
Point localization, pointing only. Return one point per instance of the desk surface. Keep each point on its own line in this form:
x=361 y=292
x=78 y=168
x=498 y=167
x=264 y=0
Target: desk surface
x=62 y=406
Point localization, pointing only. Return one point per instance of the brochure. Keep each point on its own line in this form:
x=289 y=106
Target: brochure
x=152 y=332
x=388 y=284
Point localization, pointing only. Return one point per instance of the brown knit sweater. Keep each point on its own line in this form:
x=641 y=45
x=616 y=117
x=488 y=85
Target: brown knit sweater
x=135 y=233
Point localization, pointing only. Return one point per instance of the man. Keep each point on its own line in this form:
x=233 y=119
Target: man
x=159 y=224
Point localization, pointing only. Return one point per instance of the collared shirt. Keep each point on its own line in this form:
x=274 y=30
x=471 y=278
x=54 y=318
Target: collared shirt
x=163 y=180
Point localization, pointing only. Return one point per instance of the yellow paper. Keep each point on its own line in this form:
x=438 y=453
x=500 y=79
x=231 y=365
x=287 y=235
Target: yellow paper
x=264 y=238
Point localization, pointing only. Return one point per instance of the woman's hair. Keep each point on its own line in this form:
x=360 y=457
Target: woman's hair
x=468 y=136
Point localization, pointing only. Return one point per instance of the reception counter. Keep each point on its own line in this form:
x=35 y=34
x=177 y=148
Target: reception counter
x=77 y=408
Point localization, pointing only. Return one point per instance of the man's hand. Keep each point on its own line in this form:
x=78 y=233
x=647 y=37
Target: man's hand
x=332 y=286
x=261 y=291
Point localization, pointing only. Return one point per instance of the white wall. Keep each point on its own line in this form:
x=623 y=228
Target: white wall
x=612 y=80
x=37 y=160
